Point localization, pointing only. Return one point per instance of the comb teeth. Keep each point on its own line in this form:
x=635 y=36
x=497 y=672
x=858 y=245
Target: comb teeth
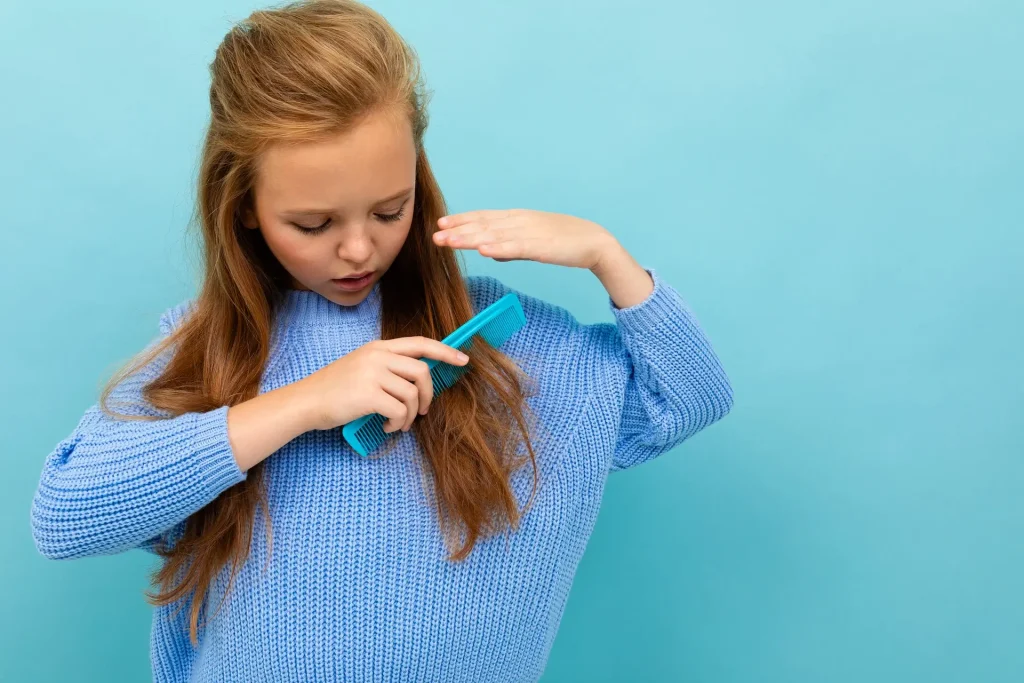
x=372 y=434
x=443 y=375
x=495 y=325
x=502 y=327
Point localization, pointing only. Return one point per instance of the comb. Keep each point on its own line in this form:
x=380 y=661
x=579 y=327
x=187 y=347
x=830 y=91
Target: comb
x=495 y=324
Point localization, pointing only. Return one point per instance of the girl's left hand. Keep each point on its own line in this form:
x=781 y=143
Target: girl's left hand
x=516 y=234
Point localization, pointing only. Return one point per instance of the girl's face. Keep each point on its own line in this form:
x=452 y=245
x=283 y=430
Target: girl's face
x=338 y=208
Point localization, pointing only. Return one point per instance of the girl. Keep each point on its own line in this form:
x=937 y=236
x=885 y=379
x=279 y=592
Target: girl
x=330 y=270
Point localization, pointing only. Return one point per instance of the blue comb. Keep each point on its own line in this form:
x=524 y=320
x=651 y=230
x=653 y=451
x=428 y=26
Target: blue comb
x=495 y=324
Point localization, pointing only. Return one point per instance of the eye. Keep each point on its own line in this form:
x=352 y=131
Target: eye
x=391 y=217
x=315 y=229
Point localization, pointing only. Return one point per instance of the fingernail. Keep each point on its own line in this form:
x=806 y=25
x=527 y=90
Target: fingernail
x=461 y=356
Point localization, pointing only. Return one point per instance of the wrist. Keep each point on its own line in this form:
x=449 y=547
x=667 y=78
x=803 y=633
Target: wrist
x=611 y=258
x=303 y=408
x=625 y=280
x=612 y=261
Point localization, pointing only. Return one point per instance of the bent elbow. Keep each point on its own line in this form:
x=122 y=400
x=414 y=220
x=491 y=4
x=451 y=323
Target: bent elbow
x=724 y=399
x=51 y=534
x=61 y=528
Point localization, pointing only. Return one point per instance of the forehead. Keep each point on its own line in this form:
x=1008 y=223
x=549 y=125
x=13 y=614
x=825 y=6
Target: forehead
x=366 y=163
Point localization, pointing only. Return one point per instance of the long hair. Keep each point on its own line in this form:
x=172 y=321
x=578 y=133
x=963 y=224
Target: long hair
x=304 y=72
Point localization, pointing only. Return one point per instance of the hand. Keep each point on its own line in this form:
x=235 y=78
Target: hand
x=518 y=234
x=382 y=376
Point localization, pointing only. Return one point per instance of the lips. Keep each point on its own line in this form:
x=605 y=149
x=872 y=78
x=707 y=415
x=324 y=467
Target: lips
x=354 y=283
x=357 y=276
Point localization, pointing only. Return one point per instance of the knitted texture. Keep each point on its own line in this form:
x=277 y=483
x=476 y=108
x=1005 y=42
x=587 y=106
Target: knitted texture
x=358 y=586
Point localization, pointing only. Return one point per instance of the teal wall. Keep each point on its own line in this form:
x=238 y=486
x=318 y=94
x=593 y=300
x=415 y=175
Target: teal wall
x=836 y=187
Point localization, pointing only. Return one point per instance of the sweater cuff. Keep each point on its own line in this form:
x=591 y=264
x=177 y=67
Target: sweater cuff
x=215 y=460
x=661 y=304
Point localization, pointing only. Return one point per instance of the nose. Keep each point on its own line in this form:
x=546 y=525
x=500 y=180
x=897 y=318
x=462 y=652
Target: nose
x=356 y=245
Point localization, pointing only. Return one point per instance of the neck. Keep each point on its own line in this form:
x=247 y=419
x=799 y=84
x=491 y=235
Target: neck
x=304 y=307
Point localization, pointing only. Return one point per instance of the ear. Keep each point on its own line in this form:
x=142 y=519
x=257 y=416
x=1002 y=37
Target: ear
x=249 y=219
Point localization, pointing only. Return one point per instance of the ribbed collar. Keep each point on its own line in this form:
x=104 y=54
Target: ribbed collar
x=306 y=308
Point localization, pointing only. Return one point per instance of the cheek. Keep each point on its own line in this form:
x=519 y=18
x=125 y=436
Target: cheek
x=395 y=238
x=290 y=247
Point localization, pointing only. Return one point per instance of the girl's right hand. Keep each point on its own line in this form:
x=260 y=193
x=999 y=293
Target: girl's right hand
x=382 y=376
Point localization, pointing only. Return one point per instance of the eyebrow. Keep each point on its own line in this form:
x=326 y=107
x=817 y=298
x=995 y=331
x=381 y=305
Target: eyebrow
x=321 y=212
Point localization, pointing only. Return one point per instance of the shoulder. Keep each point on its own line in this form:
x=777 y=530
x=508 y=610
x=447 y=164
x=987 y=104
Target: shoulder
x=564 y=356
x=486 y=289
x=172 y=317
x=552 y=332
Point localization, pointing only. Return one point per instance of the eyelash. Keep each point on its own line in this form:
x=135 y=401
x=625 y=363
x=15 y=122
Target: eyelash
x=383 y=217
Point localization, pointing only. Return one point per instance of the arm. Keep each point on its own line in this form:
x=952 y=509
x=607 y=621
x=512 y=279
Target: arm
x=672 y=383
x=115 y=484
x=675 y=384
x=653 y=371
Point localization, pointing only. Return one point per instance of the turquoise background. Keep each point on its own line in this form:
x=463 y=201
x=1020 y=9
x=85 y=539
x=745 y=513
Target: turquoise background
x=838 y=190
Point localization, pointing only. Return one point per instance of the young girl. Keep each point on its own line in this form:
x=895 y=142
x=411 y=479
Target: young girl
x=330 y=270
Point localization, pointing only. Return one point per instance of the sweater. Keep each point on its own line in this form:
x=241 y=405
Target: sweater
x=358 y=586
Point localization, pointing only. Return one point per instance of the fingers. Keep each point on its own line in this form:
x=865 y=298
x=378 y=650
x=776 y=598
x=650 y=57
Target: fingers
x=414 y=370
x=474 y=233
x=418 y=347
x=513 y=249
x=406 y=378
x=457 y=219
x=391 y=408
x=405 y=392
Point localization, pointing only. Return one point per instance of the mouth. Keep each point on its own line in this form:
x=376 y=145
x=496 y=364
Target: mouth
x=354 y=282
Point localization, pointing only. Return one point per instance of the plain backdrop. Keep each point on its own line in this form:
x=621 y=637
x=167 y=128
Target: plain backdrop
x=836 y=188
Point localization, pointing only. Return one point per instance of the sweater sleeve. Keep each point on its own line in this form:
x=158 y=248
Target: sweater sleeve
x=675 y=383
x=114 y=484
x=652 y=373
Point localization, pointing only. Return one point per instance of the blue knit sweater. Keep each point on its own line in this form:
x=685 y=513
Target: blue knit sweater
x=358 y=587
